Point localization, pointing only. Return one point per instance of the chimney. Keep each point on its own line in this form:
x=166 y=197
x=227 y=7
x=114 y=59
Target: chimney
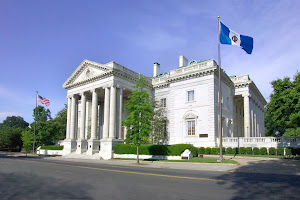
x=183 y=61
x=156 y=69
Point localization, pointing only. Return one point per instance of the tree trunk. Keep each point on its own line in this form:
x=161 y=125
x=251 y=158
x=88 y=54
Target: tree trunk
x=137 y=155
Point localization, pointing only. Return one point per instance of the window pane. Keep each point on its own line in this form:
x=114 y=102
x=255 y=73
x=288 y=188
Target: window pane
x=191 y=95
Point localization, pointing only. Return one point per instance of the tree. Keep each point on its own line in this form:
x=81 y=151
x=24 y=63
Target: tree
x=27 y=138
x=140 y=115
x=61 y=123
x=15 y=122
x=282 y=112
x=42 y=115
x=159 y=125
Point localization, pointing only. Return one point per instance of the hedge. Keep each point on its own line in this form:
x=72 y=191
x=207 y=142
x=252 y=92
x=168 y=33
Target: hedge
x=52 y=147
x=242 y=150
x=215 y=151
x=165 y=150
x=201 y=150
x=229 y=150
x=263 y=151
x=280 y=151
x=207 y=150
x=272 y=151
x=249 y=150
x=256 y=151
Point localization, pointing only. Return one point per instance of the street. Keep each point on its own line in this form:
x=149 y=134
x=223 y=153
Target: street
x=36 y=178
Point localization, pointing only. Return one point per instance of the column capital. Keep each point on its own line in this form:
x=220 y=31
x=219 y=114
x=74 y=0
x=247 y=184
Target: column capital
x=246 y=95
x=83 y=93
x=94 y=90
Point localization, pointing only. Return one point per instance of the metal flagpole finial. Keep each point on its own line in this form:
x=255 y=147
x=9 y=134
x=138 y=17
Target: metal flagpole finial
x=218 y=17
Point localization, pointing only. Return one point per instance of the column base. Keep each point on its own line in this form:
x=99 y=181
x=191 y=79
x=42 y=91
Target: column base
x=93 y=147
x=82 y=146
x=106 y=150
x=69 y=146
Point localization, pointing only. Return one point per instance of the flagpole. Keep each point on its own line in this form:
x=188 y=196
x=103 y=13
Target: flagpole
x=33 y=146
x=220 y=97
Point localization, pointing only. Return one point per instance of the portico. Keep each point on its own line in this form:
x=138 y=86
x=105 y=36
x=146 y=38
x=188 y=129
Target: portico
x=95 y=108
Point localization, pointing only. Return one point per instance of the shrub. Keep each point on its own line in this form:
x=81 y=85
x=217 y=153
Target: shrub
x=52 y=147
x=215 y=151
x=159 y=150
x=235 y=151
x=272 y=151
x=124 y=149
x=207 y=150
x=280 y=151
x=242 y=150
x=229 y=150
x=223 y=150
x=249 y=150
x=177 y=149
x=256 y=151
x=201 y=150
x=263 y=151
x=288 y=151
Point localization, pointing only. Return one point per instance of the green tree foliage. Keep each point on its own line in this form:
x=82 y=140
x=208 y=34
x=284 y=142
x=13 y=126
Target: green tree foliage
x=42 y=115
x=140 y=115
x=15 y=122
x=159 y=125
x=283 y=110
x=27 y=138
x=10 y=133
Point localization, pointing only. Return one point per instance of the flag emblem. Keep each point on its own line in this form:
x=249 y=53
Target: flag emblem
x=43 y=100
x=228 y=36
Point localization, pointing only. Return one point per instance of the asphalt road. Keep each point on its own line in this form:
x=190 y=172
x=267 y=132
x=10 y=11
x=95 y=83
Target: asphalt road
x=35 y=178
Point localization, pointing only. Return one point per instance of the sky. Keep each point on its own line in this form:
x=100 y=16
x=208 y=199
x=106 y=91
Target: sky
x=43 y=42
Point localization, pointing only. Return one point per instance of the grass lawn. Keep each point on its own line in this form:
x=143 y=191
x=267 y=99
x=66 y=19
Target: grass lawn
x=245 y=155
x=194 y=160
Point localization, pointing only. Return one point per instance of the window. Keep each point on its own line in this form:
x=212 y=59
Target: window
x=190 y=96
x=191 y=127
x=163 y=102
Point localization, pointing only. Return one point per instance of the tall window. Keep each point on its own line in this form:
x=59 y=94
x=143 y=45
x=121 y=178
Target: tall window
x=190 y=95
x=163 y=102
x=191 y=127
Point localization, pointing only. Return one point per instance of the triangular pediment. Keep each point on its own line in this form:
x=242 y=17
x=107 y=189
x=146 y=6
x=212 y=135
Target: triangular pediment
x=87 y=70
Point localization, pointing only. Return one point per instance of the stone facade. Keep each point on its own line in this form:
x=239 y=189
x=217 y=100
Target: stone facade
x=189 y=94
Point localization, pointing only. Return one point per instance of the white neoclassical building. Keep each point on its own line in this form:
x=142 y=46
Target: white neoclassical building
x=189 y=94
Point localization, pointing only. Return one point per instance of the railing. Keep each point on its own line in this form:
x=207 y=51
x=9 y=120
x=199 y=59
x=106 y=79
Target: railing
x=261 y=142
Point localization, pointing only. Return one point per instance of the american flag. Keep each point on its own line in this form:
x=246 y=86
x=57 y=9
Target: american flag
x=43 y=100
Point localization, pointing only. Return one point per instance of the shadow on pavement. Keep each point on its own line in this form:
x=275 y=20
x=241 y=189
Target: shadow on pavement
x=29 y=186
x=261 y=180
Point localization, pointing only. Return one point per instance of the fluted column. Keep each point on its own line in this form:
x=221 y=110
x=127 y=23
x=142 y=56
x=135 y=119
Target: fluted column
x=120 y=106
x=246 y=115
x=94 y=115
x=68 y=118
x=106 y=112
x=112 y=117
x=73 y=117
x=83 y=116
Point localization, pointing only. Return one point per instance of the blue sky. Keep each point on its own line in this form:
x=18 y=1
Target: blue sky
x=43 y=42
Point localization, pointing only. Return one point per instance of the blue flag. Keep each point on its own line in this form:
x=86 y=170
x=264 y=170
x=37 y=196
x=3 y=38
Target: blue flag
x=228 y=36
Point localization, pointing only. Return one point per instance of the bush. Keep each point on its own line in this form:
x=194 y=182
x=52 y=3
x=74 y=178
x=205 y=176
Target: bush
x=242 y=150
x=272 y=151
x=52 y=147
x=124 y=149
x=288 y=151
x=223 y=150
x=263 y=151
x=235 y=151
x=229 y=150
x=249 y=150
x=280 y=151
x=215 y=151
x=177 y=149
x=207 y=150
x=201 y=150
x=256 y=151
x=163 y=150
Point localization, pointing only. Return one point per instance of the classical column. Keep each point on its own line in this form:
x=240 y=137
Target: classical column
x=83 y=116
x=246 y=115
x=73 y=117
x=112 y=117
x=106 y=113
x=68 y=118
x=94 y=115
x=120 y=105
